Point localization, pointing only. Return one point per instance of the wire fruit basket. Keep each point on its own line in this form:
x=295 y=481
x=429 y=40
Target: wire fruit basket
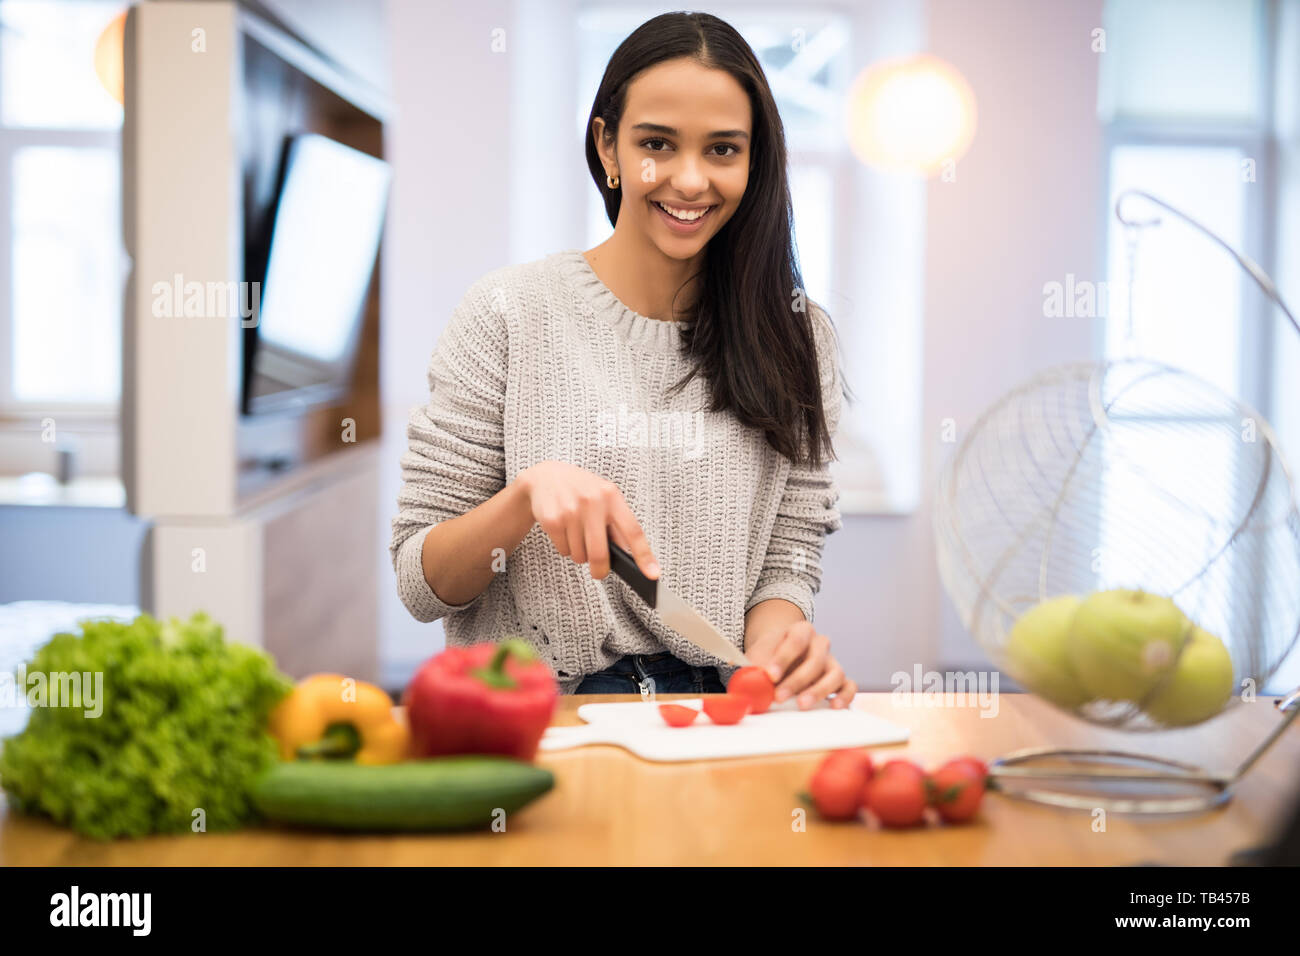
x=1122 y=538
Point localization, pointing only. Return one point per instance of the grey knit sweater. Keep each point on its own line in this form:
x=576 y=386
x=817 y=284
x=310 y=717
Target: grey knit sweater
x=541 y=361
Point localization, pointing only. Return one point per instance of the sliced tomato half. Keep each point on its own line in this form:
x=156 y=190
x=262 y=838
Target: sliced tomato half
x=726 y=708
x=675 y=715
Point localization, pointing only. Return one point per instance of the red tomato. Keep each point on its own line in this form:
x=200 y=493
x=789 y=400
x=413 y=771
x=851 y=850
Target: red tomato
x=900 y=765
x=754 y=683
x=836 y=787
x=725 y=708
x=859 y=759
x=675 y=715
x=955 y=790
x=896 y=798
x=979 y=766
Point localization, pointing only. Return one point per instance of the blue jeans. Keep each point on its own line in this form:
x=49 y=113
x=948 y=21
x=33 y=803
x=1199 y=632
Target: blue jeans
x=661 y=673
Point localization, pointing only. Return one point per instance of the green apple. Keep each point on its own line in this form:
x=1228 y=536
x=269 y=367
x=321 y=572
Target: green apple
x=1123 y=643
x=1035 y=654
x=1200 y=685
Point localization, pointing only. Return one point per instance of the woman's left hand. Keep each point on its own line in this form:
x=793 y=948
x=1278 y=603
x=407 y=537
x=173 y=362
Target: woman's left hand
x=799 y=661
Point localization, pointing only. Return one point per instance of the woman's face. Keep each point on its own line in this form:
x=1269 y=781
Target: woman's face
x=683 y=147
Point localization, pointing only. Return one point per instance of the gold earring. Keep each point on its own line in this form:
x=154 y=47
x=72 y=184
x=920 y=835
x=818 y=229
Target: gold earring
x=611 y=182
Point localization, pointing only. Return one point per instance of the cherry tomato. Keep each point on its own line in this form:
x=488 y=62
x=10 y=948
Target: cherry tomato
x=675 y=715
x=901 y=765
x=725 y=708
x=859 y=759
x=754 y=683
x=836 y=786
x=955 y=790
x=979 y=766
x=896 y=798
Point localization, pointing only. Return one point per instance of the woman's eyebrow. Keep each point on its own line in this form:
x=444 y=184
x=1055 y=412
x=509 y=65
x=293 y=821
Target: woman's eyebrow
x=672 y=131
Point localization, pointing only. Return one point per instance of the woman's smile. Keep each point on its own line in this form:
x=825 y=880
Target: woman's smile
x=682 y=220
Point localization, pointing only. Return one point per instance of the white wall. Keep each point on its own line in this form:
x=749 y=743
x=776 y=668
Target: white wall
x=1025 y=210
x=447 y=225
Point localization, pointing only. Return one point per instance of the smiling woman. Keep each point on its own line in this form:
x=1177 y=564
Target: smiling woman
x=693 y=307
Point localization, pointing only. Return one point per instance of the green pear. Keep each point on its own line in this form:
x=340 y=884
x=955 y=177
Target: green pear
x=1035 y=654
x=1200 y=685
x=1123 y=643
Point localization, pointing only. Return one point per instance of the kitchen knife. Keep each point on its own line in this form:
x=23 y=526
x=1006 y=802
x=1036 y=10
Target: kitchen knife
x=674 y=612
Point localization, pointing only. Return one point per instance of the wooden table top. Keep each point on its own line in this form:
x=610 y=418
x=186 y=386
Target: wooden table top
x=610 y=808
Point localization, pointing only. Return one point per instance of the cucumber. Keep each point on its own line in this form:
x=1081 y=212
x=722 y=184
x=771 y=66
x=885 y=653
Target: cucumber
x=444 y=793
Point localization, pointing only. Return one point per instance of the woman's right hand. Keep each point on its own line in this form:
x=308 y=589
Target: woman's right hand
x=580 y=511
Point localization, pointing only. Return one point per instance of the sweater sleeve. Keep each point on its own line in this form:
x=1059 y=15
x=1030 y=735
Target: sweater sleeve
x=455 y=459
x=807 y=511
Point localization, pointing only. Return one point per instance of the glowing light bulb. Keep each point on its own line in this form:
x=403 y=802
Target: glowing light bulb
x=108 y=57
x=912 y=114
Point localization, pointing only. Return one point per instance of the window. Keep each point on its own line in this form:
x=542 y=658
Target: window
x=1191 y=61
x=1195 y=325
x=62 y=268
x=1185 y=93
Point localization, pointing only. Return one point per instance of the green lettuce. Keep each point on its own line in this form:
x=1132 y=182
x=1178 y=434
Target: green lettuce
x=182 y=729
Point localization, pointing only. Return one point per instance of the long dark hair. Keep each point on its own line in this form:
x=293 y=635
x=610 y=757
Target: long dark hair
x=756 y=351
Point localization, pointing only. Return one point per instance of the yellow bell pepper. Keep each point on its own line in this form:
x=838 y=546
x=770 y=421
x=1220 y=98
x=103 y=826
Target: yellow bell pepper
x=329 y=715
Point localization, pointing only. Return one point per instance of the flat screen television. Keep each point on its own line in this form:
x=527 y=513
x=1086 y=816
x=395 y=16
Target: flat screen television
x=314 y=265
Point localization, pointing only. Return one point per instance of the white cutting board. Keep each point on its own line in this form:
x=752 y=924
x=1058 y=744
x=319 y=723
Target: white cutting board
x=784 y=729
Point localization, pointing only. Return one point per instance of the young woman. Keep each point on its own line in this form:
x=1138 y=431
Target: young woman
x=670 y=389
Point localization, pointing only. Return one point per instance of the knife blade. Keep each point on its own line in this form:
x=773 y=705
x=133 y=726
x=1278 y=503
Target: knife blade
x=674 y=612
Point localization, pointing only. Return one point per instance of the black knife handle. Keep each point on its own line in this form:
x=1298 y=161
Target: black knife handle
x=624 y=565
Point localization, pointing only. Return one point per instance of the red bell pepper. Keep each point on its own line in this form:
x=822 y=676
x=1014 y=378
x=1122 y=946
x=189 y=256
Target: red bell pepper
x=485 y=699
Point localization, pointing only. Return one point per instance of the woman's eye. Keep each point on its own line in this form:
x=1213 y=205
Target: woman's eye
x=734 y=149
x=652 y=149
